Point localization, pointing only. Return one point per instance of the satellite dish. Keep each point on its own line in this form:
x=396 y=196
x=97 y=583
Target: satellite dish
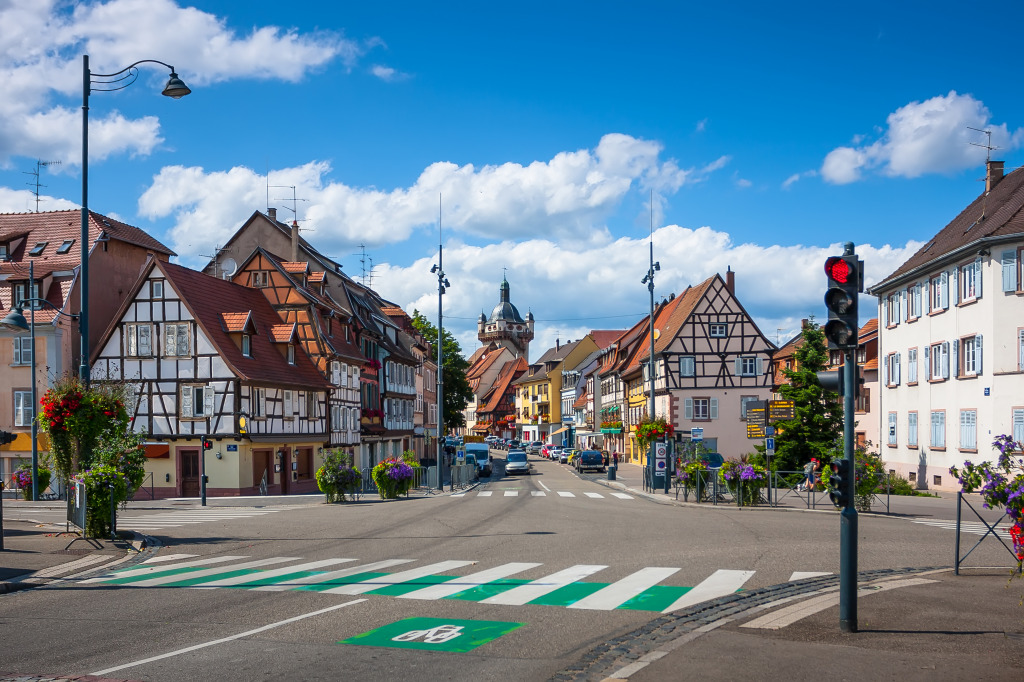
x=230 y=267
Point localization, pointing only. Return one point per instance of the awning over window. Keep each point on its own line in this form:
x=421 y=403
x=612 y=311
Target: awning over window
x=555 y=433
x=158 y=450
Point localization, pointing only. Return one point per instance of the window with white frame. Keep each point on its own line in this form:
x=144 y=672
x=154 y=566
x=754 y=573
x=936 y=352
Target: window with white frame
x=892 y=309
x=938 y=435
x=892 y=369
x=718 y=330
x=22 y=350
x=259 y=278
x=969 y=277
x=157 y=287
x=246 y=345
x=744 y=401
x=688 y=365
x=892 y=429
x=311 y=401
x=912 y=429
x=1010 y=272
x=177 y=340
x=969 y=429
x=1018 y=424
x=291 y=354
x=939 y=292
x=914 y=302
x=138 y=340
x=258 y=406
x=700 y=409
x=748 y=366
x=336 y=418
x=23 y=408
x=196 y=401
x=938 y=361
x=969 y=356
x=1020 y=349
x=21 y=295
x=912 y=366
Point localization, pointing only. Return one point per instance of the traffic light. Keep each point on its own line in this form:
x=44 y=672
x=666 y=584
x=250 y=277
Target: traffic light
x=6 y=437
x=832 y=381
x=839 y=483
x=207 y=444
x=845 y=281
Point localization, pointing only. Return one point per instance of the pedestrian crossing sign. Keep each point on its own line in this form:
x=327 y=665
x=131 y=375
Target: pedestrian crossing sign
x=435 y=634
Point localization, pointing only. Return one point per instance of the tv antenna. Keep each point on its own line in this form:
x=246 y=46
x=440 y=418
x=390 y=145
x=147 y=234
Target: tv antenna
x=366 y=278
x=215 y=257
x=295 y=202
x=39 y=165
x=988 y=144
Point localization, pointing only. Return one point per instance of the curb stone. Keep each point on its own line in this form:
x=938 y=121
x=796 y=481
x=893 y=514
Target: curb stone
x=605 y=659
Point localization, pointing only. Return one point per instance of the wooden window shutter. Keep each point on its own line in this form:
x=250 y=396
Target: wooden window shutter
x=208 y=400
x=977 y=277
x=186 y=401
x=688 y=408
x=170 y=335
x=945 y=359
x=713 y=413
x=977 y=354
x=145 y=340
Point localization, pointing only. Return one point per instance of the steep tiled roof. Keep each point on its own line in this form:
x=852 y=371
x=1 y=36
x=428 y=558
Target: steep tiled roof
x=505 y=378
x=295 y=268
x=582 y=400
x=604 y=337
x=207 y=297
x=282 y=333
x=998 y=214
x=235 y=322
x=317 y=277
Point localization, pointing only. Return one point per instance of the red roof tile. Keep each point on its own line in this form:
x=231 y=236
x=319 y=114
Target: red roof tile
x=235 y=322
x=282 y=333
x=296 y=267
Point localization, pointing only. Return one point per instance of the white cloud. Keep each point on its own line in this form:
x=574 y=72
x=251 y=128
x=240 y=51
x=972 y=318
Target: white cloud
x=932 y=136
x=701 y=125
x=796 y=177
x=24 y=201
x=778 y=285
x=41 y=42
x=566 y=197
x=743 y=183
x=387 y=73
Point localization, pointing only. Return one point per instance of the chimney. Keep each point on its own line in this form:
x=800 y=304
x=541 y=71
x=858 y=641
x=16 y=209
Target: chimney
x=272 y=214
x=803 y=324
x=295 y=241
x=557 y=344
x=730 y=280
x=993 y=174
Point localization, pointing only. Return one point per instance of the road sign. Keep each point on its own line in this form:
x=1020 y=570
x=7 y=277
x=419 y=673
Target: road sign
x=436 y=634
x=696 y=434
x=756 y=418
x=660 y=458
x=769 y=430
x=755 y=431
x=769 y=443
x=781 y=410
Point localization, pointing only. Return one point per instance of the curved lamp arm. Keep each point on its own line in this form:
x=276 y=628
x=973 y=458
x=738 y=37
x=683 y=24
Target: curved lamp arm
x=15 y=320
x=175 y=88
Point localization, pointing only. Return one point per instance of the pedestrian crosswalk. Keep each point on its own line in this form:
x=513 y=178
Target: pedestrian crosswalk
x=184 y=517
x=541 y=493
x=975 y=528
x=509 y=584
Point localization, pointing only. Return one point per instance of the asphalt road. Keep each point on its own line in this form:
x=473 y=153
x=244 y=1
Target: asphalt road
x=558 y=562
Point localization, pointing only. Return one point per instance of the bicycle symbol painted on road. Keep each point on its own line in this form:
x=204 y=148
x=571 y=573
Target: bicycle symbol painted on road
x=438 y=635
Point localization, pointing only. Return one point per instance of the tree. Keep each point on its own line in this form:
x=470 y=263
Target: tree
x=457 y=392
x=818 y=414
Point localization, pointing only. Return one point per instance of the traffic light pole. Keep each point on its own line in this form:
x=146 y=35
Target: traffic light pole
x=848 y=516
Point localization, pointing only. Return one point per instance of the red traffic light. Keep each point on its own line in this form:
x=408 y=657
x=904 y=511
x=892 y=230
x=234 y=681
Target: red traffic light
x=838 y=269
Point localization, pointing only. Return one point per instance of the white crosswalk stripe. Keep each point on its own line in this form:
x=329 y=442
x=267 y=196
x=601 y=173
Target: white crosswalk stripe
x=974 y=528
x=331 y=575
x=718 y=584
x=618 y=593
x=622 y=496
x=563 y=493
x=596 y=495
x=132 y=572
x=484 y=493
x=511 y=493
x=202 y=573
x=801 y=575
x=466 y=582
x=538 y=493
x=518 y=596
x=542 y=493
x=397 y=578
x=264 y=575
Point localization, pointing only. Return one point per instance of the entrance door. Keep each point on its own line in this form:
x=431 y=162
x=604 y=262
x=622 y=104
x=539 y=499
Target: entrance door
x=189 y=473
x=286 y=469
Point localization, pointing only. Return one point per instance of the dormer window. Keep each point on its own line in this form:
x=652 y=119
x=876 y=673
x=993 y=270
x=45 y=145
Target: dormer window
x=37 y=250
x=66 y=246
x=291 y=354
x=3 y=252
x=259 y=279
x=247 y=345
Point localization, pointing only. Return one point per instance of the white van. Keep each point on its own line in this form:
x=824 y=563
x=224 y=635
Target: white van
x=482 y=453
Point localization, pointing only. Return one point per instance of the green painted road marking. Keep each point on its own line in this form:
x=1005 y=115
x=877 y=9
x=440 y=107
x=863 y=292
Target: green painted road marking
x=189 y=582
x=338 y=582
x=656 y=598
x=569 y=594
x=481 y=592
x=277 y=580
x=155 y=574
x=411 y=585
x=435 y=634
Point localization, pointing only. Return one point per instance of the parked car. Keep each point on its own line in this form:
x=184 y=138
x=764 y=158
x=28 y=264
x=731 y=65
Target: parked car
x=517 y=463
x=590 y=460
x=483 y=457
x=563 y=456
x=534 y=447
x=545 y=450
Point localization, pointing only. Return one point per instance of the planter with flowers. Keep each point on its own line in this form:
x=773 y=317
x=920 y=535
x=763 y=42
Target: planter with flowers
x=392 y=478
x=337 y=479
x=22 y=478
x=744 y=481
x=651 y=430
x=611 y=427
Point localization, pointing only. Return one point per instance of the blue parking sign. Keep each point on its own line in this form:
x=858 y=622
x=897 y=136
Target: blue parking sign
x=769 y=443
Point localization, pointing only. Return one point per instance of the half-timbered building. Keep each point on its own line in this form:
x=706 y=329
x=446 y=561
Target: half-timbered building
x=325 y=332
x=201 y=353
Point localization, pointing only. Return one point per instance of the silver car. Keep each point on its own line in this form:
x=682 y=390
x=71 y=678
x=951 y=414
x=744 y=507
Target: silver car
x=516 y=462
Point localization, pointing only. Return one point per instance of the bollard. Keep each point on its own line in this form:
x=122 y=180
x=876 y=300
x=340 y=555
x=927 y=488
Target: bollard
x=1 y=516
x=611 y=473
x=113 y=514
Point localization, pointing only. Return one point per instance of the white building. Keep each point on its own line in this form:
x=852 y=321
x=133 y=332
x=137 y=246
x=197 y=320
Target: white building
x=951 y=339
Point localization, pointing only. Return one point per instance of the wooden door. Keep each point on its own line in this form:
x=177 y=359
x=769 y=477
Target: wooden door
x=189 y=473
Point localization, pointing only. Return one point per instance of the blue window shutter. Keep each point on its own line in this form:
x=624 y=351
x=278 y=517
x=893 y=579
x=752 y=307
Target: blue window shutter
x=977 y=277
x=977 y=353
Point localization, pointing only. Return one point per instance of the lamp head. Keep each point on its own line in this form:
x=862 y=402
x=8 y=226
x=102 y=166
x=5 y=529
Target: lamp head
x=644 y=280
x=175 y=88
x=657 y=265
x=15 y=321
x=433 y=269
x=446 y=284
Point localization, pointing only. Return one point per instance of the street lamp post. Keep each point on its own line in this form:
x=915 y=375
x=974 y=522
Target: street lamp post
x=118 y=80
x=15 y=321
x=649 y=281
x=442 y=285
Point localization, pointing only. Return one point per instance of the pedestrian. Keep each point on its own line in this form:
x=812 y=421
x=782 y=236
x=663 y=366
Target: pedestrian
x=615 y=458
x=809 y=469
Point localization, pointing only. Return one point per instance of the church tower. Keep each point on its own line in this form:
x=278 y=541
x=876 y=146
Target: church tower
x=506 y=327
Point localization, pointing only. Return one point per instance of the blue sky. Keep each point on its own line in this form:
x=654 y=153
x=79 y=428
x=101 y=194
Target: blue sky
x=766 y=135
